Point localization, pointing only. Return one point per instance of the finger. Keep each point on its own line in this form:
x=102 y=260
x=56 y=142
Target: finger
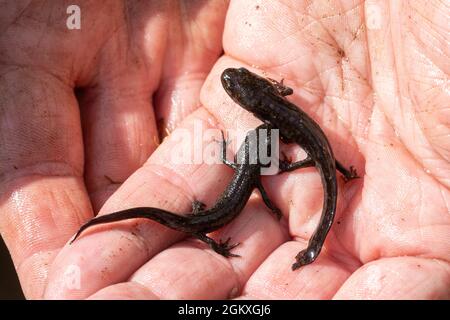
x=117 y=109
x=399 y=278
x=275 y=279
x=191 y=270
x=124 y=291
x=119 y=130
x=119 y=125
x=42 y=195
x=196 y=44
x=401 y=210
x=111 y=253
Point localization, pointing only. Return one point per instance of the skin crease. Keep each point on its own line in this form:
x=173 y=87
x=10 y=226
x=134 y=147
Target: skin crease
x=372 y=74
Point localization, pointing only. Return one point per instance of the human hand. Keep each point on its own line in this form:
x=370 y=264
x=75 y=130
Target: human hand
x=364 y=74
x=62 y=155
x=390 y=232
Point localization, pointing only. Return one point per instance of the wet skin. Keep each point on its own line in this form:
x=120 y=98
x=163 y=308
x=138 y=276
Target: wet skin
x=265 y=98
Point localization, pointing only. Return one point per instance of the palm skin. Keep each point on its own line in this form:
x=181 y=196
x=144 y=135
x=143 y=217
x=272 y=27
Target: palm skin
x=373 y=75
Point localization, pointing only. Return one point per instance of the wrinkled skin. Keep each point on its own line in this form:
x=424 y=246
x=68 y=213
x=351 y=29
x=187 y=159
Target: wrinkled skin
x=373 y=75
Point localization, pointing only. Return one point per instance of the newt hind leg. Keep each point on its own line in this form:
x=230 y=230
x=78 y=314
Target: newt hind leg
x=222 y=248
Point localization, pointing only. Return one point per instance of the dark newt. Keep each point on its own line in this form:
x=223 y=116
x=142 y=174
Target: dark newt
x=247 y=169
x=265 y=98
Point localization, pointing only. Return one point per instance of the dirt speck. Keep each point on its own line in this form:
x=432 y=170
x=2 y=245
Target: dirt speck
x=104 y=271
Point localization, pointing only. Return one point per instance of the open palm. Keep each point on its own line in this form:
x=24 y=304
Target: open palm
x=374 y=78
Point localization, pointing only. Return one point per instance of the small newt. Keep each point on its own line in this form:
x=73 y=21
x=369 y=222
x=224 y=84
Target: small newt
x=265 y=98
x=231 y=202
